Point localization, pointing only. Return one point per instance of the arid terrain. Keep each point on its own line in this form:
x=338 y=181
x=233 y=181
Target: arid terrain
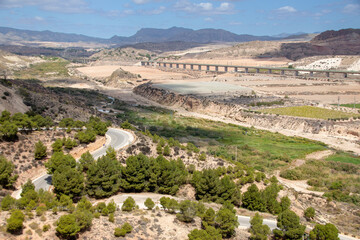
x=254 y=130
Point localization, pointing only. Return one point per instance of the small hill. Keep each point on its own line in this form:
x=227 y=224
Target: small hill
x=121 y=78
x=127 y=55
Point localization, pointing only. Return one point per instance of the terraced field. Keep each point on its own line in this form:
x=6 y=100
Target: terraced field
x=309 y=112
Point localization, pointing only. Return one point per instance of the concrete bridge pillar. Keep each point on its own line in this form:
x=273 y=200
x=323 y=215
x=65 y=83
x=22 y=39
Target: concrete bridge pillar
x=257 y=70
x=184 y=66
x=192 y=67
x=296 y=73
x=345 y=75
x=235 y=69
x=177 y=65
x=207 y=68
x=282 y=72
x=246 y=70
x=216 y=68
x=225 y=69
x=311 y=74
x=327 y=74
x=199 y=67
x=269 y=71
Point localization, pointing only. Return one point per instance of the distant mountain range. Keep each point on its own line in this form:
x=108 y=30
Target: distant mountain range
x=154 y=35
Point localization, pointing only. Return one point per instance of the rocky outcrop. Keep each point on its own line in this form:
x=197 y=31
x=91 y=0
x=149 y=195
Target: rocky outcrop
x=348 y=129
x=120 y=78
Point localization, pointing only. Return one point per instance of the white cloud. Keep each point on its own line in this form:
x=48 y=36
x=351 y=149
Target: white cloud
x=352 y=8
x=234 y=23
x=157 y=11
x=322 y=12
x=140 y=1
x=205 y=8
x=69 y=6
x=37 y=18
x=286 y=9
x=225 y=6
x=128 y=11
x=209 y=19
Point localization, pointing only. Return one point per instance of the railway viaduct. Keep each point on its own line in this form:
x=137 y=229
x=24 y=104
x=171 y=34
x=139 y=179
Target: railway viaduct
x=248 y=69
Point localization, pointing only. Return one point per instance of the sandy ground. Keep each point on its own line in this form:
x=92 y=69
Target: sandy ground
x=145 y=72
x=98 y=71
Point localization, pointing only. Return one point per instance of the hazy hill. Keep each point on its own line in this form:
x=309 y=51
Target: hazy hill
x=187 y=35
x=12 y=34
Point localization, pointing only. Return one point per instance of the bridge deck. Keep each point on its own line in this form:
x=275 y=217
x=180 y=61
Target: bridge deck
x=255 y=67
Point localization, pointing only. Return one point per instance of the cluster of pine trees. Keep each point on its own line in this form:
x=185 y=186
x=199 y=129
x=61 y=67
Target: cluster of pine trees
x=10 y=124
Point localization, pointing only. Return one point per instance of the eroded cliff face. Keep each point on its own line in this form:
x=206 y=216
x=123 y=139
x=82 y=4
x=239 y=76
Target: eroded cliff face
x=347 y=130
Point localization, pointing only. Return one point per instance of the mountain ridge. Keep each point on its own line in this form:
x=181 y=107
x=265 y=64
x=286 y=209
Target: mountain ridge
x=155 y=35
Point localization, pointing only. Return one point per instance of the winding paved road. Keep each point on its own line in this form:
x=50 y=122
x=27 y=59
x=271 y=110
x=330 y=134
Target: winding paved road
x=115 y=138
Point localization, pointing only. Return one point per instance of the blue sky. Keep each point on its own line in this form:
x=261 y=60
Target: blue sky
x=106 y=18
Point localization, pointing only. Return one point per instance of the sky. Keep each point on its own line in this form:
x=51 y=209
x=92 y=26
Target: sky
x=106 y=18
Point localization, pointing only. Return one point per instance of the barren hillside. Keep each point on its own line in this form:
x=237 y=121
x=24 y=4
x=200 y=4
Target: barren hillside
x=124 y=56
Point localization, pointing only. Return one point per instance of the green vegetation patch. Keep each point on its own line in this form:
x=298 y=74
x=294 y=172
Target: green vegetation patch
x=53 y=68
x=309 y=112
x=344 y=157
x=257 y=148
x=351 y=105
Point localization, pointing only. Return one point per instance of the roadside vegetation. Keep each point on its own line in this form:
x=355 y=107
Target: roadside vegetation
x=310 y=112
x=10 y=125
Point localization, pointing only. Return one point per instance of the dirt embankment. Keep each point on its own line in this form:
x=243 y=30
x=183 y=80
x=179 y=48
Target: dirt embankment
x=344 y=135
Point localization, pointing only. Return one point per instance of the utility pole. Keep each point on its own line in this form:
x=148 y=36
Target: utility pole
x=354 y=102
